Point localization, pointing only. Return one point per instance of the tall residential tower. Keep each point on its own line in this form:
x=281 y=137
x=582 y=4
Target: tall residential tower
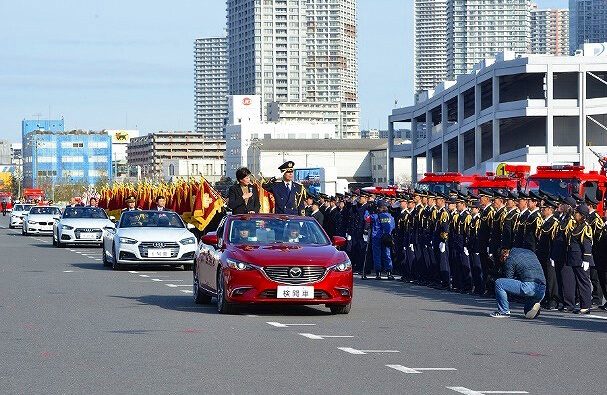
x=430 y=22
x=549 y=34
x=587 y=23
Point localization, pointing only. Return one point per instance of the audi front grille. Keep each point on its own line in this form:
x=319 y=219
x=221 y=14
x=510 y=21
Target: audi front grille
x=145 y=245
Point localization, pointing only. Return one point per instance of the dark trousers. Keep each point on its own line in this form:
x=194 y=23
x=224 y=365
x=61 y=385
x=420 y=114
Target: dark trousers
x=597 y=294
x=445 y=269
x=368 y=258
x=454 y=267
x=552 y=283
x=602 y=274
x=465 y=271
x=477 y=272
x=576 y=276
x=420 y=264
x=485 y=265
x=358 y=255
x=430 y=259
x=408 y=273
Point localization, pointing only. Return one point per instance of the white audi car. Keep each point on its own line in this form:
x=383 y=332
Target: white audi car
x=19 y=211
x=149 y=238
x=40 y=219
x=81 y=225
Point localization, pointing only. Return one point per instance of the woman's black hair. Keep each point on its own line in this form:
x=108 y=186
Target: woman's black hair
x=242 y=173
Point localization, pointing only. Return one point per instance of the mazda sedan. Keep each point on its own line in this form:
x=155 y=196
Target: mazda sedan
x=80 y=225
x=265 y=258
x=149 y=238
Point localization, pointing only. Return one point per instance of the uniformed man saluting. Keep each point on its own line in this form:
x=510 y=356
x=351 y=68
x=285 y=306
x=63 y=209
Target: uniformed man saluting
x=289 y=195
x=131 y=204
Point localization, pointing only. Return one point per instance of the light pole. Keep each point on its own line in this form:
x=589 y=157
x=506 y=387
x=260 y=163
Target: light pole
x=256 y=144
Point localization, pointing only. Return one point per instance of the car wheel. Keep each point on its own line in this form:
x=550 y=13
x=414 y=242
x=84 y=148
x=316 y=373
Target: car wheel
x=54 y=240
x=223 y=306
x=106 y=262
x=341 y=309
x=115 y=264
x=199 y=296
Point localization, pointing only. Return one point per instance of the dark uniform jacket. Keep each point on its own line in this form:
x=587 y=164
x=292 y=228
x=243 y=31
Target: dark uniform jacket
x=484 y=233
x=579 y=248
x=287 y=202
x=545 y=235
x=441 y=229
x=417 y=224
x=508 y=228
x=472 y=236
x=531 y=227
x=596 y=223
x=600 y=250
x=496 y=229
x=318 y=217
x=462 y=223
x=519 y=229
x=559 y=238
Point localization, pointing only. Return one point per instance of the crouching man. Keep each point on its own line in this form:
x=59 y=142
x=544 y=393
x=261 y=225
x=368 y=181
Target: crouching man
x=523 y=276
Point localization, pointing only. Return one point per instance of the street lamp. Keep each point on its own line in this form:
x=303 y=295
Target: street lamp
x=256 y=144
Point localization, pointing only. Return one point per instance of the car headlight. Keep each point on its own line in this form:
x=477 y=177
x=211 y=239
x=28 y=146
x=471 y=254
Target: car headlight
x=238 y=265
x=126 y=240
x=67 y=227
x=189 y=240
x=343 y=267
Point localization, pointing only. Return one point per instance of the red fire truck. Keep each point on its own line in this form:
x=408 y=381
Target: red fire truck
x=6 y=197
x=31 y=195
x=445 y=182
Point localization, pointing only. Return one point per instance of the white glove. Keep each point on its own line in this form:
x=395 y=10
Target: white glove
x=585 y=266
x=490 y=255
x=366 y=238
x=348 y=237
x=411 y=247
x=466 y=251
x=488 y=251
x=552 y=262
x=441 y=246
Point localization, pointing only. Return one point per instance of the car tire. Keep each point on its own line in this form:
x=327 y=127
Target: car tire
x=223 y=306
x=341 y=308
x=106 y=262
x=199 y=296
x=115 y=264
x=54 y=241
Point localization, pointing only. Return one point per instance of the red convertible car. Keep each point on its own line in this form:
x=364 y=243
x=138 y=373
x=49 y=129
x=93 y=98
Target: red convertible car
x=266 y=258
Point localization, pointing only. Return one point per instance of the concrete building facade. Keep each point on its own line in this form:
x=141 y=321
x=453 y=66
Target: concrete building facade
x=211 y=87
x=479 y=29
x=549 y=31
x=535 y=110
x=193 y=169
x=344 y=116
x=430 y=36
x=587 y=23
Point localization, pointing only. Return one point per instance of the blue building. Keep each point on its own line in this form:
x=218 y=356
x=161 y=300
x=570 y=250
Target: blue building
x=29 y=125
x=55 y=158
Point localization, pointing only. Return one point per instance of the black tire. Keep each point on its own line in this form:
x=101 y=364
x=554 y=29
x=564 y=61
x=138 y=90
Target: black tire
x=59 y=244
x=223 y=305
x=115 y=264
x=54 y=241
x=106 y=262
x=341 y=308
x=199 y=296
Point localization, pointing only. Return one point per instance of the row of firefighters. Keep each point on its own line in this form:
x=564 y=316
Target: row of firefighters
x=453 y=241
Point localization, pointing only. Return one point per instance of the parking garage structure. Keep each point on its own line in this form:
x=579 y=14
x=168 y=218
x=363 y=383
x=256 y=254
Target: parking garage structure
x=533 y=109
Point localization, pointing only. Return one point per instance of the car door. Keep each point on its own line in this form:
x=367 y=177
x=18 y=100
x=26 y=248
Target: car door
x=211 y=259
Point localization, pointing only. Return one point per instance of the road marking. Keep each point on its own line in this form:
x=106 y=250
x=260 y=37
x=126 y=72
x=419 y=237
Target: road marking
x=364 y=352
x=597 y=316
x=405 y=369
x=97 y=259
x=68 y=271
x=132 y=271
x=143 y=275
x=322 y=337
x=252 y=315
x=159 y=280
x=467 y=391
x=186 y=291
x=177 y=285
x=279 y=325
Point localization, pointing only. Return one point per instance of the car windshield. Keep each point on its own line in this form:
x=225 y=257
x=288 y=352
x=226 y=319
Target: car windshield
x=84 y=212
x=555 y=186
x=22 y=207
x=150 y=219
x=444 y=187
x=270 y=231
x=45 y=210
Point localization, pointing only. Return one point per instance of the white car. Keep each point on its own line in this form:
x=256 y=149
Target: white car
x=149 y=238
x=19 y=211
x=40 y=219
x=81 y=225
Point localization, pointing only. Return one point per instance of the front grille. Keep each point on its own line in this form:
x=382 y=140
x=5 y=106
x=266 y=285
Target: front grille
x=97 y=231
x=145 y=245
x=309 y=274
x=272 y=293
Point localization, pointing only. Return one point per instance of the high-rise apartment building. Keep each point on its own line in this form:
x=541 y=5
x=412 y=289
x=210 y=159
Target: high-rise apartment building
x=294 y=51
x=211 y=86
x=430 y=53
x=587 y=23
x=549 y=31
x=479 y=29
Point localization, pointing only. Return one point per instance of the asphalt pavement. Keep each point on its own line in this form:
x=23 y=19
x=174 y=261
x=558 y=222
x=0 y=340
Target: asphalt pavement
x=70 y=326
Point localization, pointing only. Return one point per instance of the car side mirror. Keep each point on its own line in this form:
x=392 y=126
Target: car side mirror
x=112 y=218
x=56 y=218
x=339 y=241
x=212 y=240
x=190 y=226
x=109 y=227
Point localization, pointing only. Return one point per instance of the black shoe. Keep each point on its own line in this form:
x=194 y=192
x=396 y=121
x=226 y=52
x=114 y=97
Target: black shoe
x=552 y=306
x=582 y=311
x=389 y=274
x=564 y=309
x=603 y=307
x=378 y=275
x=363 y=277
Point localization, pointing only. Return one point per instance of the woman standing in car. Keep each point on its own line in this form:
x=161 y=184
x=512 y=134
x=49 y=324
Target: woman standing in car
x=243 y=198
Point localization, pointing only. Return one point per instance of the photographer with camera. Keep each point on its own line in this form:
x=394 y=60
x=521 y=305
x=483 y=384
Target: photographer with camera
x=382 y=225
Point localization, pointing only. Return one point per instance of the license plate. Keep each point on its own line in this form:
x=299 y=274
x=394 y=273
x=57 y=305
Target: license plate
x=46 y=228
x=293 y=292
x=88 y=236
x=159 y=253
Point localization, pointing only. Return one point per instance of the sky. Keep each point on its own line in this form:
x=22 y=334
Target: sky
x=116 y=64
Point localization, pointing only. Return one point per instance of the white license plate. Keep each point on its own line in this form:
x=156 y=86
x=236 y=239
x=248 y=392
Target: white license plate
x=294 y=292
x=88 y=236
x=46 y=228
x=159 y=253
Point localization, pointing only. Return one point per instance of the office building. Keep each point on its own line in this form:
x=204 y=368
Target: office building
x=430 y=51
x=536 y=110
x=29 y=125
x=55 y=158
x=479 y=29
x=344 y=116
x=211 y=86
x=5 y=152
x=193 y=169
x=294 y=51
x=587 y=23
x=148 y=154
x=549 y=31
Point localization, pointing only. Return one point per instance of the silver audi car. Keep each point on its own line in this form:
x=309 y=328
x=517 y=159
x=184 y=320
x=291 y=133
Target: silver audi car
x=81 y=225
x=19 y=211
x=149 y=238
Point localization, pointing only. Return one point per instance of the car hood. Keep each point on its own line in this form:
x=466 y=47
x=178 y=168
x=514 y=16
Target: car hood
x=287 y=254
x=21 y=213
x=154 y=234
x=85 y=222
x=40 y=217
